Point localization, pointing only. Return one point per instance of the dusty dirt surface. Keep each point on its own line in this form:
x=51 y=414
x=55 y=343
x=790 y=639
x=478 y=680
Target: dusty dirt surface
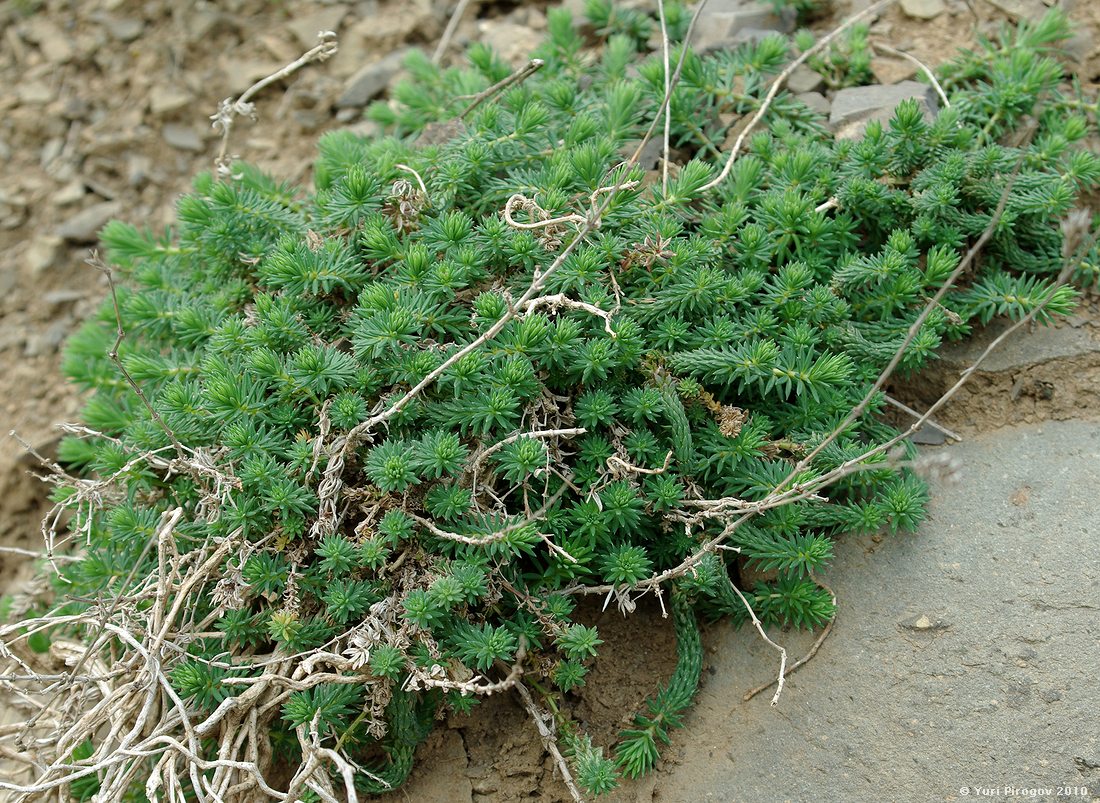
x=104 y=112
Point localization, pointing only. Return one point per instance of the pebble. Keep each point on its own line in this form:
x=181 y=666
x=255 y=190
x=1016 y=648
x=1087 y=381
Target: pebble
x=514 y=43
x=201 y=20
x=50 y=340
x=240 y=74
x=928 y=436
x=84 y=226
x=167 y=98
x=370 y=81
x=69 y=194
x=34 y=93
x=923 y=9
x=41 y=254
x=816 y=101
x=63 y=296
x=51 y=40
x=1080 y=46
x=368 y=129
x=124 y=29
x=183 y=137
x=892 y=71
x=923 y=622
x=803 y=79
x=137 y=169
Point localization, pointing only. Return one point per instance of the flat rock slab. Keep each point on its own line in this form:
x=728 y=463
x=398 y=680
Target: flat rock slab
x=963 y=656
x=1024 y=348
x=854 y=107
x=370 y=80
x=728 y=23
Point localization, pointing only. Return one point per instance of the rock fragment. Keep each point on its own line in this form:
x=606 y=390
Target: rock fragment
x=816 y=101
x=41 y=254
x=167 y=98
x=892 y=71
x=52 y=41
x=84 y=226
x=803 y=79
x=923 y=9
x=370 y=81
x=728 y=23
x=124 y=29
x=854 y=107
x=182 y=137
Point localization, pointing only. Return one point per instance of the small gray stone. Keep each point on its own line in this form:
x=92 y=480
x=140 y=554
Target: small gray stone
x=84 y=226
x=923 y=623
x=137 y=169
x=167 y=98
x=731 y=22
x=183 y=137
x=892 y=71
x=365 y=128
x=200 y=20
x=1080 y=46
x=923 y=9
x=69 y=194
x=49 y=341
x=63 y=296
x=34 y=93
x=51 y=40
x=816 y=101
x=370 y=81
x=854 y=107
x=126 y=29
x=514 y=43
x=929 y=436
x=41 y=254
x=803 y=79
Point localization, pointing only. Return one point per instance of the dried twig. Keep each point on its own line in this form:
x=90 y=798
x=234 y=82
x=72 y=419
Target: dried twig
x=805 y=658
x=920 y=65
x=449 y=31
x=667 y=77
x=544 y=723
x=760 y=629
x=522 y=74
x=229 y=109
x=905 y=408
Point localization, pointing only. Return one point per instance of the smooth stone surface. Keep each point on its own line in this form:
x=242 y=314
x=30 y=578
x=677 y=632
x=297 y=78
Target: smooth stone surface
x=1026 y=348
x=816 y=101
x=84 y=226
x=370 y=81
x=183 y=137
x=963 y=656
x=803 y=79
x=728 y=23
x=923 y=9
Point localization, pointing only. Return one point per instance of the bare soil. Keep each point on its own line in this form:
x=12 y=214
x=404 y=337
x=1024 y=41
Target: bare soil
x=104 y=108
